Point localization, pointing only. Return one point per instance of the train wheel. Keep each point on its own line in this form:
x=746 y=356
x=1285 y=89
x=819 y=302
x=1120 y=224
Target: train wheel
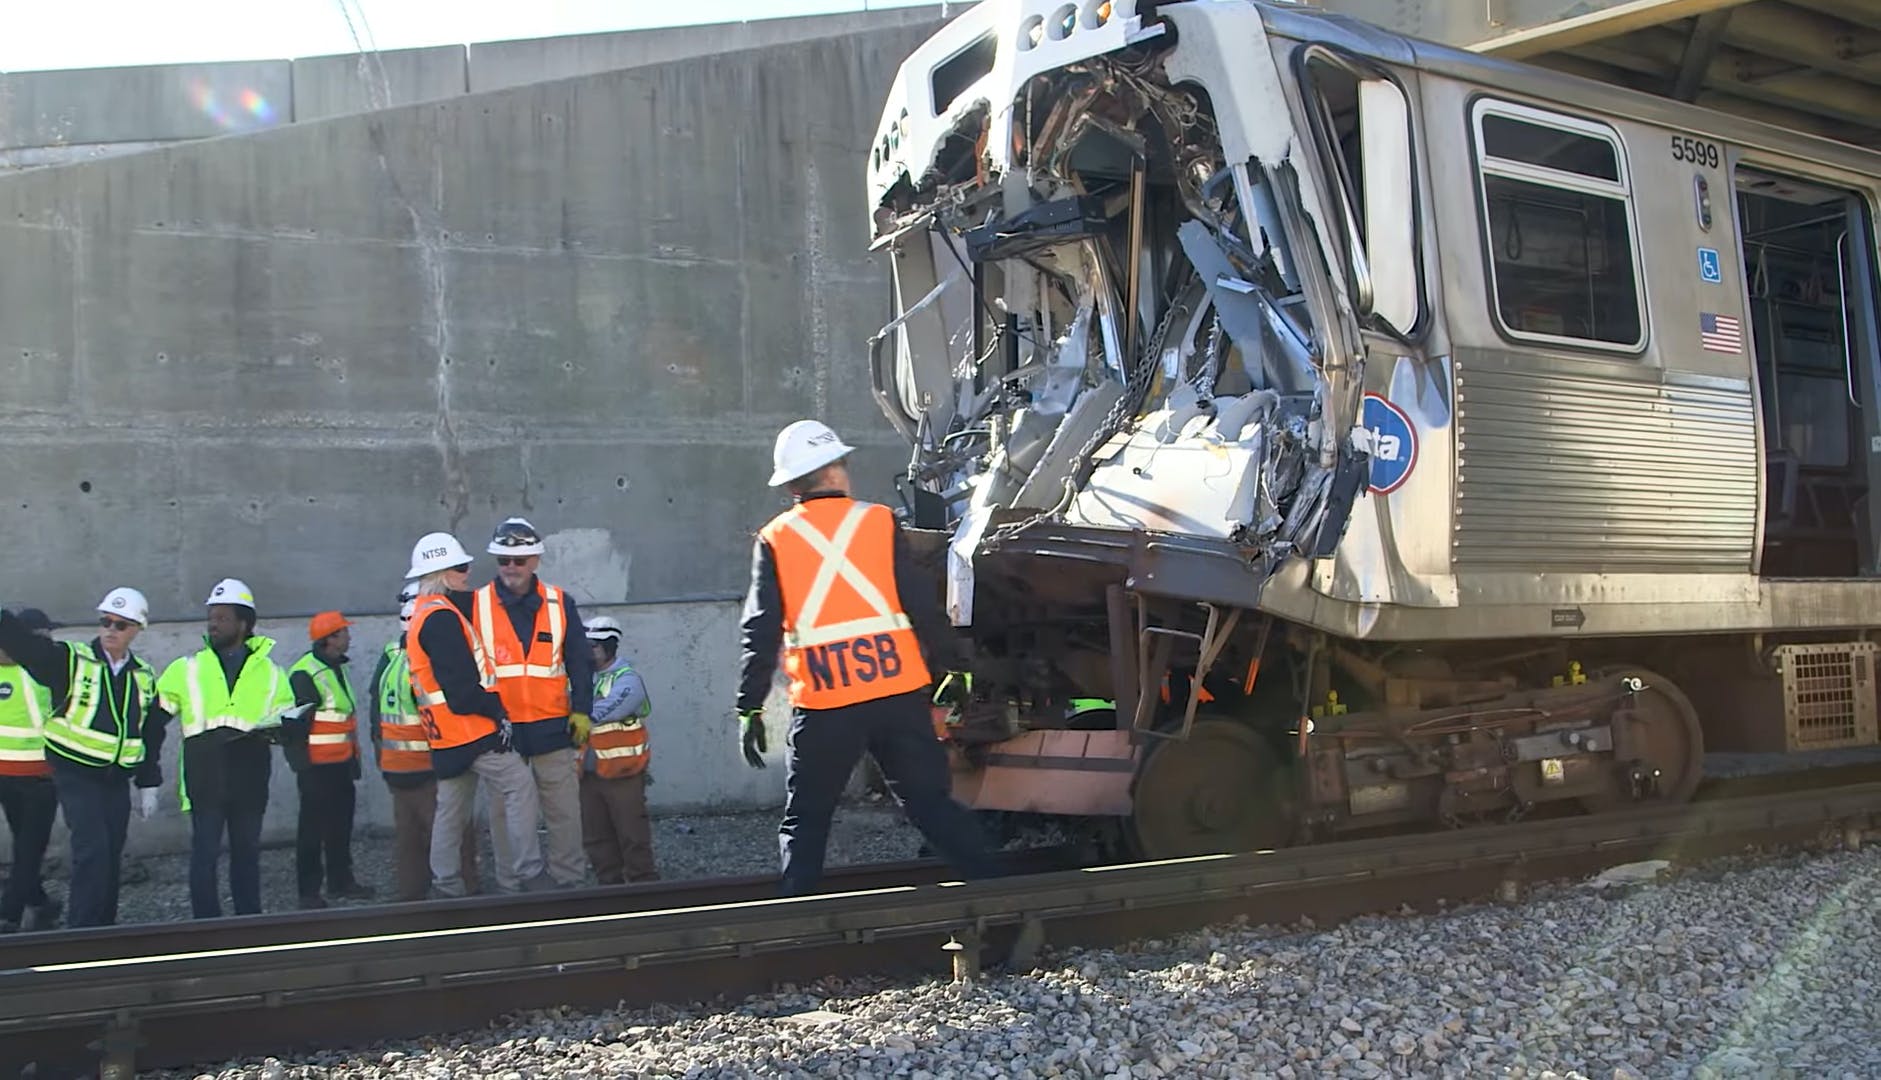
x=1220 y=790
x=1667 y=747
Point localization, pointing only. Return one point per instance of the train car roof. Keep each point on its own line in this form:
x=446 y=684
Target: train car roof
x=1533 y=80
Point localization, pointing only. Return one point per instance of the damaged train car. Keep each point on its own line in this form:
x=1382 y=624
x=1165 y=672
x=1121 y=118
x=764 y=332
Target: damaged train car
x=1320 y=430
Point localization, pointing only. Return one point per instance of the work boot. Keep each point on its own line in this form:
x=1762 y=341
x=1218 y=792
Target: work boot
x=312 y=902
x=45 y=916
x=540 y=883
x=352 y=890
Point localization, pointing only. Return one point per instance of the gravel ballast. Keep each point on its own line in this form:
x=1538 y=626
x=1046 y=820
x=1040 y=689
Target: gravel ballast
x=1753 y=966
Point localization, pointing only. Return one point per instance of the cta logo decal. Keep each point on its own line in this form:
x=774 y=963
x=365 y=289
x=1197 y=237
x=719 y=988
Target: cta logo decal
x=1394 y=444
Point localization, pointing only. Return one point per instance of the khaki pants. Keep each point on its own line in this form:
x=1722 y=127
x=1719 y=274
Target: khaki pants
x=615 y=830
x=512 y=824
x=558 y=794
x=414 y=809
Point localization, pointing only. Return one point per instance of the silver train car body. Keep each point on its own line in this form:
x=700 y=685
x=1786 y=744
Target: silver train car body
x=1461 y=396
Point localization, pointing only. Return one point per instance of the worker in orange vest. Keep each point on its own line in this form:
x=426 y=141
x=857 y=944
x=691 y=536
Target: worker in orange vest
x=832 y=584
x=467 y=726
x=526 y=627
x=322 y=747
x=404 y=753
x=614 y=778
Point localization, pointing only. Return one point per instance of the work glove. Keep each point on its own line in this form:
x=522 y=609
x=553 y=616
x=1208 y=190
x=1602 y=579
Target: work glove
x=147 y=803
x=751 y=736
x=579 y=724
x=955 y=690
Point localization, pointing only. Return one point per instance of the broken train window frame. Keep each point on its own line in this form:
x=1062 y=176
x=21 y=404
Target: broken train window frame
x=1345 y=190
x=1485 y=166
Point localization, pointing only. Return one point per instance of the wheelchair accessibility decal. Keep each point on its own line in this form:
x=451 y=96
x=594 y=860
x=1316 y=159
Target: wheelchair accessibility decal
x=1394 y=444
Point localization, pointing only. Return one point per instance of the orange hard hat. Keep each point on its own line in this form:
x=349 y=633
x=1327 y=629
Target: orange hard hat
x=326 y=624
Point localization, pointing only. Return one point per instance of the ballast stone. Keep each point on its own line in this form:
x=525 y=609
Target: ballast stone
x=1571 y=983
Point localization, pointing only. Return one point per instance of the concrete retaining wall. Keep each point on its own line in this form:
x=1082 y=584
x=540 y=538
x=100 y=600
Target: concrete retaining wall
x=284 y=356
x=43 y=113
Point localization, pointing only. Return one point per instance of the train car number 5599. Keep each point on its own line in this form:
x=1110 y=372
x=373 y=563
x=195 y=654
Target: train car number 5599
x=1696 y=151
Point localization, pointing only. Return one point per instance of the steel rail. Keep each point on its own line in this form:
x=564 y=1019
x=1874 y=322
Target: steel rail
x=162 y=939
x=646 y=955
x=274 y=928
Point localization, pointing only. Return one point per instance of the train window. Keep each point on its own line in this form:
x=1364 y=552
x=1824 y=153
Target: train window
x=1572 y=152
x=1558 y=216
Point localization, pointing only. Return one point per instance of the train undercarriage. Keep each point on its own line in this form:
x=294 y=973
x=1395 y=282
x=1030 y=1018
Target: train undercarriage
x=1225 y=729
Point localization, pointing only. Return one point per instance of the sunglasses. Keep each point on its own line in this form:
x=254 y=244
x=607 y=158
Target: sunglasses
x=110 y=623
x=513 y=560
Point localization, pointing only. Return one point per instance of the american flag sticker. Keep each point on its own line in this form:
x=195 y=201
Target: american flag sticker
x=1720 y=333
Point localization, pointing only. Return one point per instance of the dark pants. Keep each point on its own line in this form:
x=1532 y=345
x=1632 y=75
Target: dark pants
x=30 y=806
x=240 y=817
x=824 y=748
x=615 y=831
x=96 y=803
x=325 y=828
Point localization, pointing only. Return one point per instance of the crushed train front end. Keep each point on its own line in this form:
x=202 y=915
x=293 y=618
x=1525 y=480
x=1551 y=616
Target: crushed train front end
x=1126 y=352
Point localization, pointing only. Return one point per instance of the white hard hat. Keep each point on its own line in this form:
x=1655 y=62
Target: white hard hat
x=803 y=448
x=604 y=628
x=515 y=537
x=233 y=591
x=126 y=603
x=434 y=552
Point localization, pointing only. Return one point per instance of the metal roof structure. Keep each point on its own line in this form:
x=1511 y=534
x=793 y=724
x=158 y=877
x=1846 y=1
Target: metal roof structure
x=1808 y=65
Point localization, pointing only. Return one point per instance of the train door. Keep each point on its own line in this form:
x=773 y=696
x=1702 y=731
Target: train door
x=1809 y=262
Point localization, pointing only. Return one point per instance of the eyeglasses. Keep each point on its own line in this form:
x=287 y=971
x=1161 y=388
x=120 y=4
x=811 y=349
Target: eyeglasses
x=110 y=623
x=513 y=560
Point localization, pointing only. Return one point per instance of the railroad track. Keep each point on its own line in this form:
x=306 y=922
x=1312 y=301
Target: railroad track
x=64 y=947
x=67 y=947
x=190 y=1007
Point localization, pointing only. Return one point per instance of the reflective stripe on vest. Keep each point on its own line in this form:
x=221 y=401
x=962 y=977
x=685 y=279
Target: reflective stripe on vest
x=74 y=732
x=846 y=637
x=531 y=678
x=619 y=746
x=402 y=744
x=23 y=708
x=444 y=728
x=240 y=710
x=330 y=736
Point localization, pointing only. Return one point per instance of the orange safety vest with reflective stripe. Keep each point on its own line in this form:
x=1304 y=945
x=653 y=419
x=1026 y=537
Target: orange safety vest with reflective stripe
x=403 y=746
x=531 y=681
x=846 y=638
x=444 y=728
x=330 y=738
x=619 y=746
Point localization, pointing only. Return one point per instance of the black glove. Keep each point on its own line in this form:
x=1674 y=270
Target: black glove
x=751 y=736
